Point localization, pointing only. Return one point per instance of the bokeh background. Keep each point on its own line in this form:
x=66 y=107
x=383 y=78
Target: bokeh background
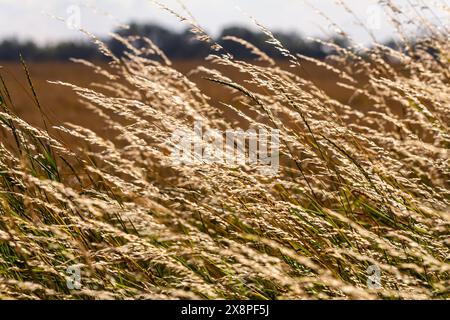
x=46 y=34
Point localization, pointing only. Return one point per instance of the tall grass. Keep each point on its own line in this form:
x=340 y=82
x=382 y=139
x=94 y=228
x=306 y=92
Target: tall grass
x=362 y=183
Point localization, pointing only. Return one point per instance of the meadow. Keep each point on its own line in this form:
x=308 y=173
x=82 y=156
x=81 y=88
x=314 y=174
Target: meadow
x=93 y=207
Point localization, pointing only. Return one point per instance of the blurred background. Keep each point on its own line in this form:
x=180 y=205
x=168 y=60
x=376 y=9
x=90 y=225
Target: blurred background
x=47 y=34
x=28 y=19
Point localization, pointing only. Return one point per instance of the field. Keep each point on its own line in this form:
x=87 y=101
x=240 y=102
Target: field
x=94 y=205
x=62 y=105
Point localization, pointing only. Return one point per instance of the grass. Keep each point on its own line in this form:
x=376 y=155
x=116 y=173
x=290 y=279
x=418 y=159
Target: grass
x=363 y=182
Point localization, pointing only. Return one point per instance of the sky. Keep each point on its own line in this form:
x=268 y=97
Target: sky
x=31 y=19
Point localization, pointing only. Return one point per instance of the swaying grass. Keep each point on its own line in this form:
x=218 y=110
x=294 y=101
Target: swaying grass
x=362 y=183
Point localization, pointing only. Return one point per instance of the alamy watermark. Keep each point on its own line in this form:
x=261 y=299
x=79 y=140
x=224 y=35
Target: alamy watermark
x=374 y=17
x=259 y=148
x=374 y=277
x=73 y=21
x=73 y=278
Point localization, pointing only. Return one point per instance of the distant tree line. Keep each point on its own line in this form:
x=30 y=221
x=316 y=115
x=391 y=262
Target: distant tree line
x=176 y=45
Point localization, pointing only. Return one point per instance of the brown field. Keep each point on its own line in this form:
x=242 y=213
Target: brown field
x=60 y=104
